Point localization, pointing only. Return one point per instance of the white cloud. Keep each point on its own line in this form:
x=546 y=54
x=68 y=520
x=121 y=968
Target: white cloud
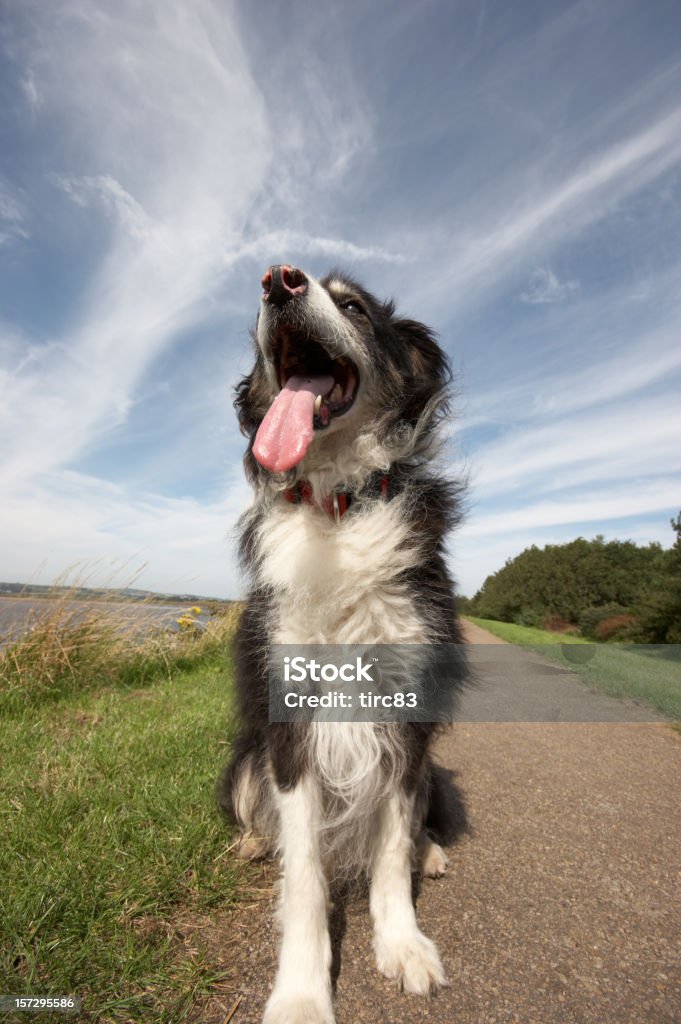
x=161 y=98
x=184 y=544
x=639 y=359
x=13 y=216
x=641 y=435
x=34 y=97
x=291 y=243
x=619 y=501
x=156 y=128
x=104 y=190
x=591 y=445
x=544 y=288
x=500 y=229
x=163 y=101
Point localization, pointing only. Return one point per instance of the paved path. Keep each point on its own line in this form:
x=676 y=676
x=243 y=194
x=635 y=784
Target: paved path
x=513 y=684
x=561 y=904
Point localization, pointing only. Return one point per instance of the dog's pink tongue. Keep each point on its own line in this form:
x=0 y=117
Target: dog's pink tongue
x=286 y=432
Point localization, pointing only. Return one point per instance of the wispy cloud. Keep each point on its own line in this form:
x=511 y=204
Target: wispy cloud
x=13 y=216
x=589 y=378
x=173 y=185
x=503 y=230
x=544 y=287
x=599 y=506
x=155 y=128
x=167 y=107
x=292 y=243
x=586 y=438
x=536 y=456
x=105 y=191
x=34 y=97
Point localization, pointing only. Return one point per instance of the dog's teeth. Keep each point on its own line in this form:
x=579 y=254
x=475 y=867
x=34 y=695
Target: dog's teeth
x=336 y=394
x=317 y=404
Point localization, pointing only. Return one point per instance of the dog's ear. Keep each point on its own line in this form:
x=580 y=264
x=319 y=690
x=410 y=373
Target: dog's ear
x=427 y=358
x=429 y=371
x=252 y=398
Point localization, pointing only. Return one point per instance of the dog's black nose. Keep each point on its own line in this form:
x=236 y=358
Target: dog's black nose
x=281 y=283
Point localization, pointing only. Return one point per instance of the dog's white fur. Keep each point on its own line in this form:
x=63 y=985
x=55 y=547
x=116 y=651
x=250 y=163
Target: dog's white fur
x=319 y=569
x=336 y=582
x=302 y=990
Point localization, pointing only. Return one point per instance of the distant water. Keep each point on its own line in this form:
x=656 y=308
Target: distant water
x=17 y=614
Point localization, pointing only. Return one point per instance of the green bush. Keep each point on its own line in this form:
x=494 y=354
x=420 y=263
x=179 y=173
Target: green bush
x=591 y=618
x=565 y=579
x=557 y=624
x=527 y=617
x=616 y=628
x=659 y=611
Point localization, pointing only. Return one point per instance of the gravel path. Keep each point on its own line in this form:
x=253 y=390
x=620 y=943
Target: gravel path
x=561 y=902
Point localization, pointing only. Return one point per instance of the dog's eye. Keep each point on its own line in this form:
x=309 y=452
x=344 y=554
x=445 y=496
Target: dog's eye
x=350 y=306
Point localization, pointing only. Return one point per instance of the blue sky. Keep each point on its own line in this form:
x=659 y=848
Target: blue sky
x=511 y=173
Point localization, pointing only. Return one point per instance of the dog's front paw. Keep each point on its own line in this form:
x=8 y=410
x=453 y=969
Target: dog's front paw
x=252 y=847
x=287 y=1009
x=412 y=960
x=433 y=861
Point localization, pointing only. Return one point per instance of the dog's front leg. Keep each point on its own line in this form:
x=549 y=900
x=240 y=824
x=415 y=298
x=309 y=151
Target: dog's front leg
x=302 y=991
x=402 y=951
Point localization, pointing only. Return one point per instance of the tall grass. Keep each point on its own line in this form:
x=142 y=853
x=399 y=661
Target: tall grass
x=69 y=646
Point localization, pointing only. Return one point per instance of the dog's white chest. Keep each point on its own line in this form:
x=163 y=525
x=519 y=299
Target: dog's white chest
x=340 y=582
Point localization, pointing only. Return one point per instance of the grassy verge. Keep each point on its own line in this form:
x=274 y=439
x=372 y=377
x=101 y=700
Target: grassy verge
x=524 y=635
x=649 y=675
x=70 y=647
x=109 y=826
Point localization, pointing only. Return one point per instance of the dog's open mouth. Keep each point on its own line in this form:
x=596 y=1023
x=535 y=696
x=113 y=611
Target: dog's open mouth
x=315 y=388
x=298 y=356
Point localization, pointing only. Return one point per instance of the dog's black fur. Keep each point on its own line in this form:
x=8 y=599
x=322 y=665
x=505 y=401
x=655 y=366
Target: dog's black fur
x=416 y=373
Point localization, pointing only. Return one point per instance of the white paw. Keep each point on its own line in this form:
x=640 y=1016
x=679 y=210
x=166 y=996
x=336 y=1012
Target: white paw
x=252 y=847
x=413 y=961
x=287 y=1009
x=433 y=862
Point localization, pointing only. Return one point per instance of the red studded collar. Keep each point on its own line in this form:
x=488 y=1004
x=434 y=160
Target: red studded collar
x=335 y=504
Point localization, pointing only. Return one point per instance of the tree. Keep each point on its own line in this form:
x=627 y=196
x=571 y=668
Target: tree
x=584 y=579
x=660 y=609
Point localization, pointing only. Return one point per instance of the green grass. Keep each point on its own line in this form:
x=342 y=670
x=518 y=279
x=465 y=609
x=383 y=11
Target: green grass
x=647 y=674
x=524 y=635
x=109 y=830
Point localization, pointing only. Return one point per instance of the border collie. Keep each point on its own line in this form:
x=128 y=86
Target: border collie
x=344 y=544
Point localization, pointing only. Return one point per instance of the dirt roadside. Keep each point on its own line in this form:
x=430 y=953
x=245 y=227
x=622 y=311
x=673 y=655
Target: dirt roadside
x=561 y=904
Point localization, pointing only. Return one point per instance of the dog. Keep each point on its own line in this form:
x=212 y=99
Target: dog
x=344 y=410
